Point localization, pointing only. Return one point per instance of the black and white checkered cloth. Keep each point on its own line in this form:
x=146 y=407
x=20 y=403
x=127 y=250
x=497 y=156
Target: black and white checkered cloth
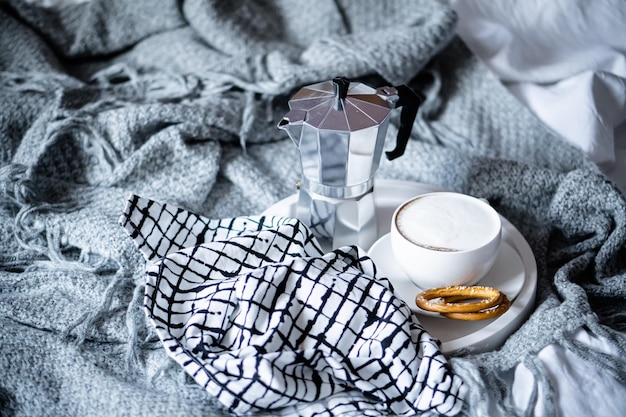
x=254 y=311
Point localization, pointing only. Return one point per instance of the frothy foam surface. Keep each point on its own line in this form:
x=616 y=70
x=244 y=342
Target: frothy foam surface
x=447 y=222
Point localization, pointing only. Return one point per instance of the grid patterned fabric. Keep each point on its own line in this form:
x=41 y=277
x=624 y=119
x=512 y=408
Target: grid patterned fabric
x=253 y=310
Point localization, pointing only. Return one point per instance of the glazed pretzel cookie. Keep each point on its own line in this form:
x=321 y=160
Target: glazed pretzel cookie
x=464 y=302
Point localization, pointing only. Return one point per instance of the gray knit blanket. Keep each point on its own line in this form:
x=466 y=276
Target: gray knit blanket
x=177 y=102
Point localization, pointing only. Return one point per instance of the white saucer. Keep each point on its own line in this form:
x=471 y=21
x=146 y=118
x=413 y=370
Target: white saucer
x=455 y=335
x=507 y=274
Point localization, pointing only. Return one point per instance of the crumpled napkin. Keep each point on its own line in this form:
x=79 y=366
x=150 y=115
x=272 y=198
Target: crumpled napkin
x=253 y=310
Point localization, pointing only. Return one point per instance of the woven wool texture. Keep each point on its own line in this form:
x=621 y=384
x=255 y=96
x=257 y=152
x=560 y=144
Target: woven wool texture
x=178 y=102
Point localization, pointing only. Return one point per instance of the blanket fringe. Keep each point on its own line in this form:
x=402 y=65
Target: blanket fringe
x=19 y=195
x=16 y=186
x=81 y=327
x=614 y=364
x=34 y=81
x=541 y=384
x=40 y=245
x=134 y=320
x=247 y=119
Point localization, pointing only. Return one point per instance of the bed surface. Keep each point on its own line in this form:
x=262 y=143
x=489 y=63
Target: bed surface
x=177 y=103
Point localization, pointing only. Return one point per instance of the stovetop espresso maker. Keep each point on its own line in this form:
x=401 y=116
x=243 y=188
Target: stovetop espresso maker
x=340 y=128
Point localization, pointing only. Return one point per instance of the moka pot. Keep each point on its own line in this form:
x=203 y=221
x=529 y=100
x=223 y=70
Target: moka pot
x=340 y=128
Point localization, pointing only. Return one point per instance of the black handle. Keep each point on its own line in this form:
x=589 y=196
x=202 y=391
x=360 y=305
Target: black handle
x=410 y=101
x=340 y=90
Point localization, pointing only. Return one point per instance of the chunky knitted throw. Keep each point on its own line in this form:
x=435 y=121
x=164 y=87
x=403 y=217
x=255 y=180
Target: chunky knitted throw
x=178 y=102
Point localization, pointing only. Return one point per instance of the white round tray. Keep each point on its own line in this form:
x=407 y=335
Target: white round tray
x=455 y=335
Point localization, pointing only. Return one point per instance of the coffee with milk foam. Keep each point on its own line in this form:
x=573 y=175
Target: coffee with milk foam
x=446 y=222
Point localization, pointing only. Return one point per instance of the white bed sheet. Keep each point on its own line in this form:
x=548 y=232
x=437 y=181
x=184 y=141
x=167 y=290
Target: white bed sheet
x=565 y=60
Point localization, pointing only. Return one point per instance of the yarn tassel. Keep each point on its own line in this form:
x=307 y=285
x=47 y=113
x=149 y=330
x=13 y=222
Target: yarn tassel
x=80 y=329
x=612 y=362
x=247 y=119
x=134 y=317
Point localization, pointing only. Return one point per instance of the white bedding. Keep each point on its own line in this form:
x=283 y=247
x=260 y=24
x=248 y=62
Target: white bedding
x=565 y=60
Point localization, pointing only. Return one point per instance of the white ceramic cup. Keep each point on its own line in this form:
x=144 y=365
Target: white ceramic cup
x=445 y=238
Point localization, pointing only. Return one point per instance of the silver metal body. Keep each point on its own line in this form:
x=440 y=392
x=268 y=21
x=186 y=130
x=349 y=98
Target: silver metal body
x=341 y=137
